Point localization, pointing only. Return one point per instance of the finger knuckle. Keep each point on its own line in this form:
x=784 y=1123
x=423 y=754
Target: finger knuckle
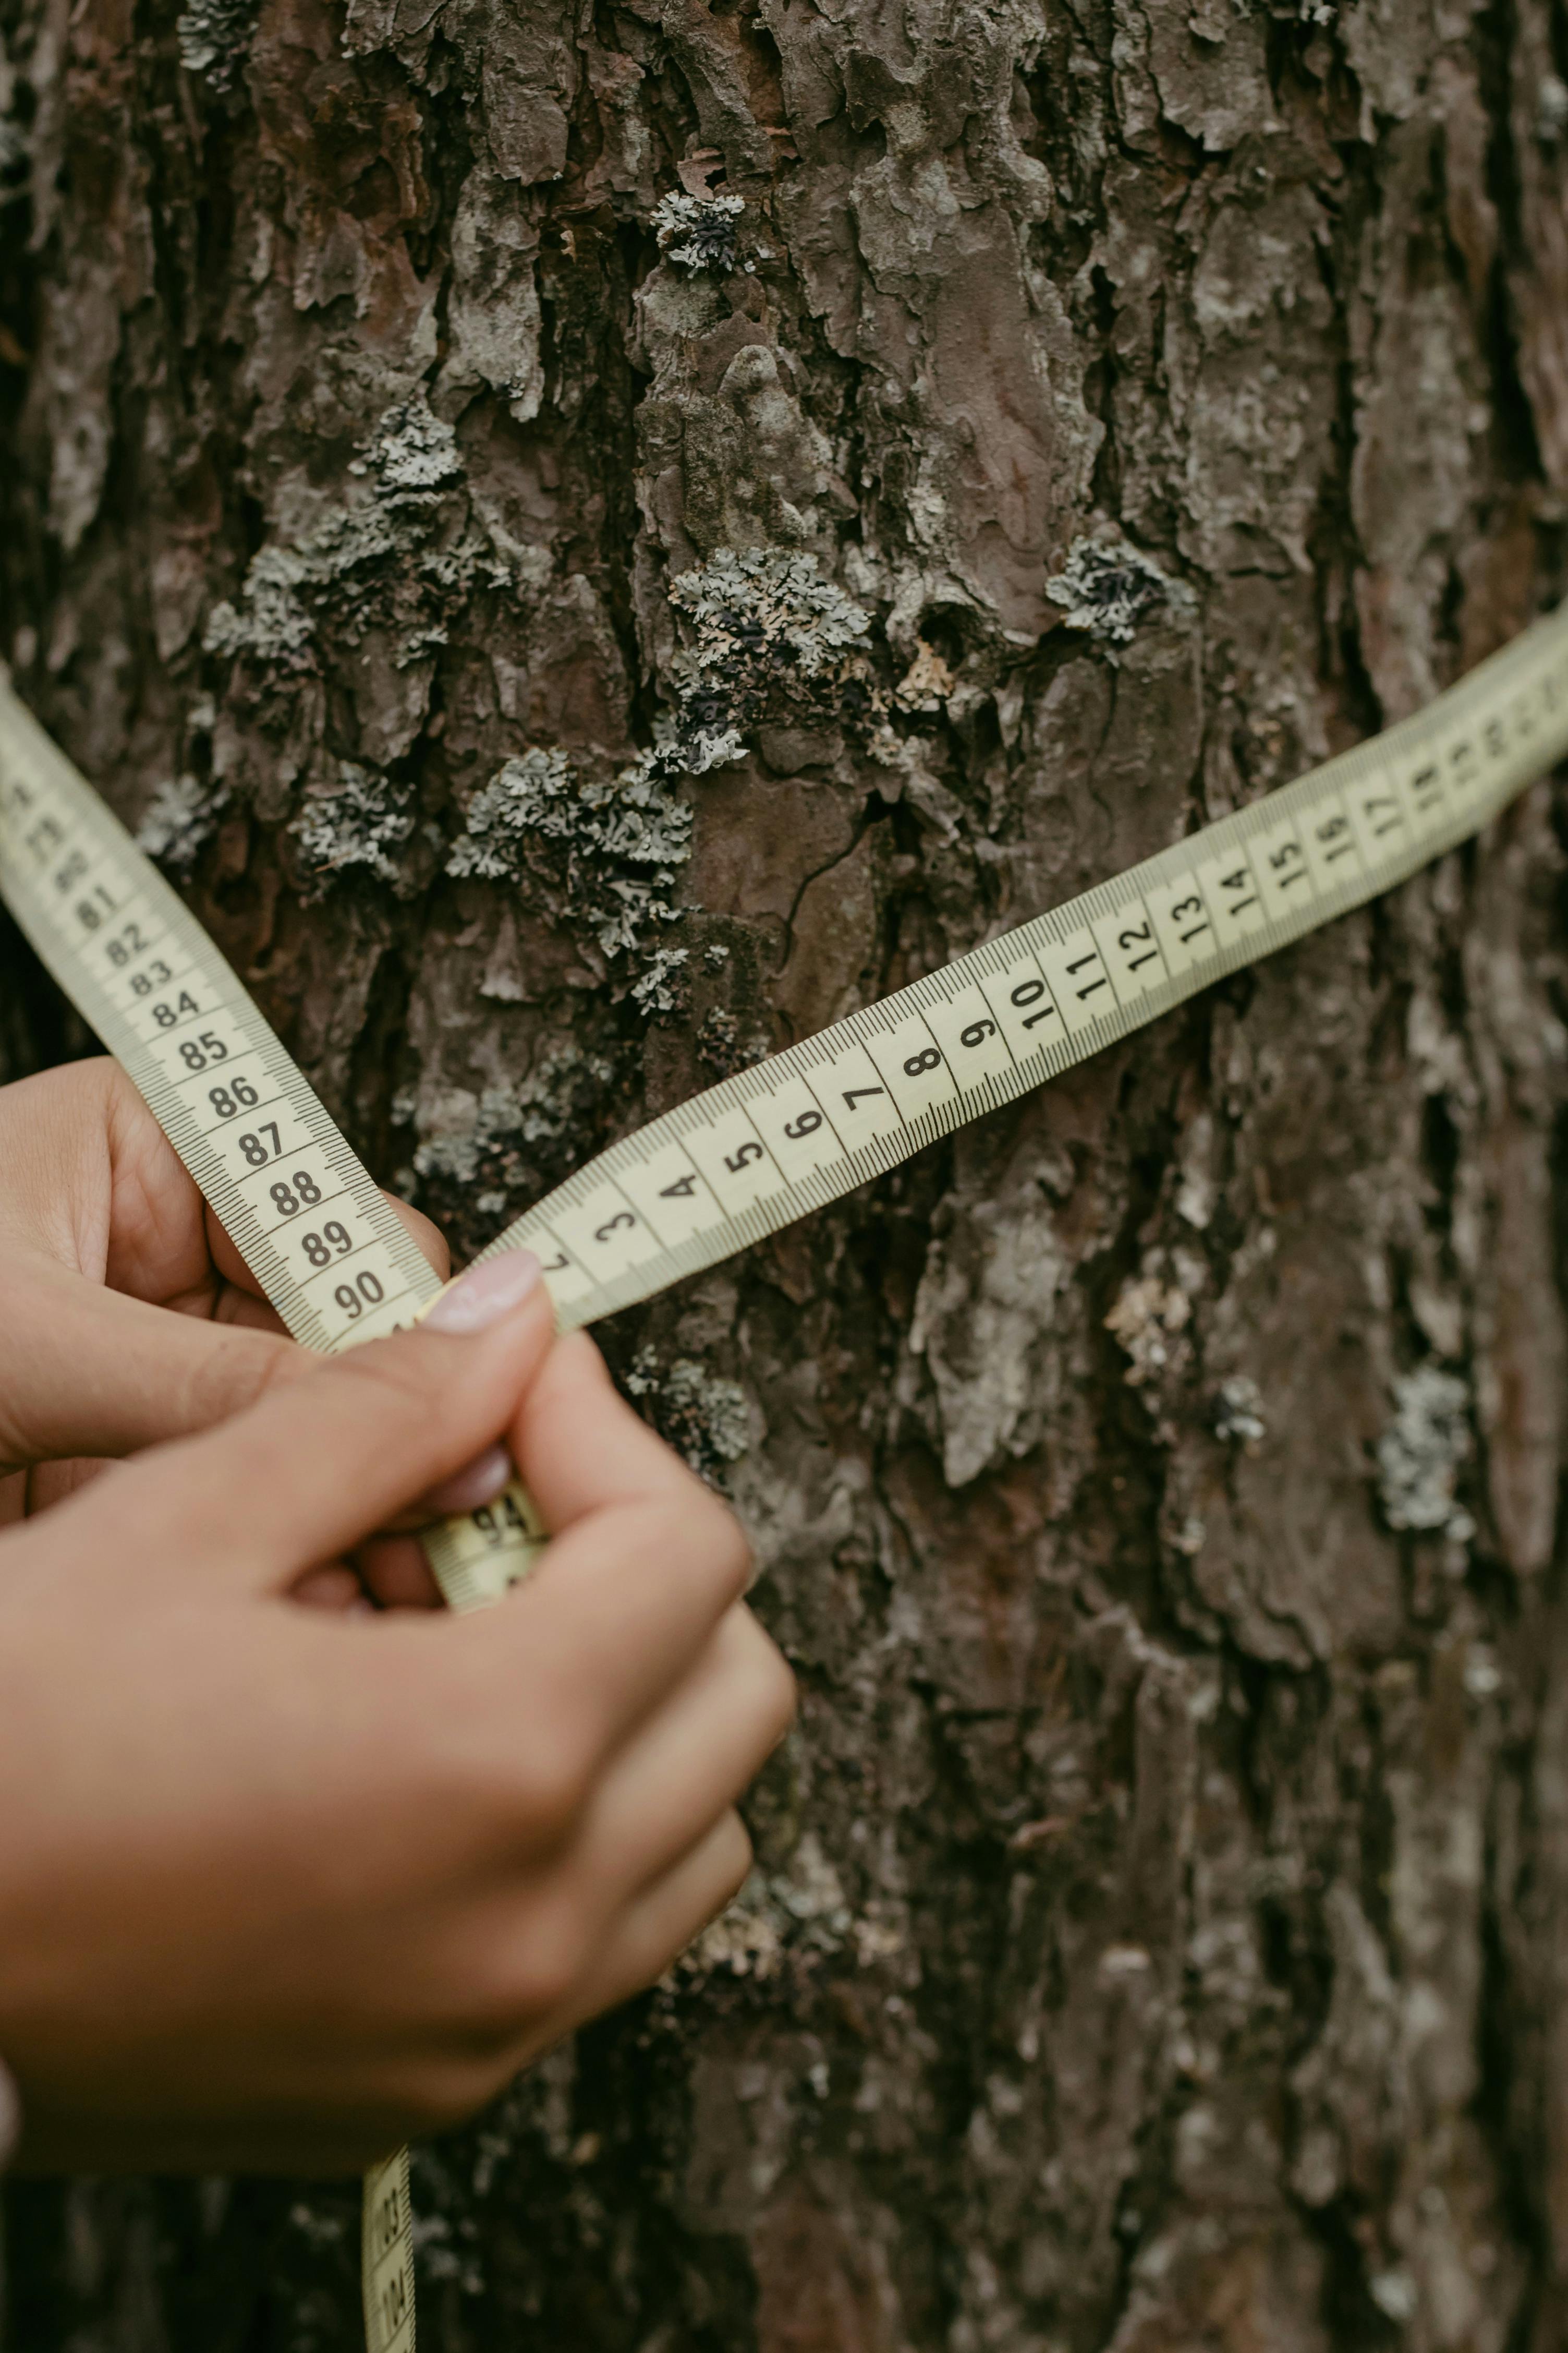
x=733 y=1858
x=532 y=1785
x=526 y=1977
x=447 y=2091
x=736 y=1556
x=778 y=1695
x=491 y=1792
x=551 y=1786
x=703 y=1528
x=762 y=1677
x=548 y=1965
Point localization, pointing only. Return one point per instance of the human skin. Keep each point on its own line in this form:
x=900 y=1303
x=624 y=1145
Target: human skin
x=280 y=1886
x=100 y=1222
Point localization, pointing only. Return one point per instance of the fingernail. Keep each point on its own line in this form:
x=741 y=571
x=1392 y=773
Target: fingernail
x=480 y=1482
x=486 y=1293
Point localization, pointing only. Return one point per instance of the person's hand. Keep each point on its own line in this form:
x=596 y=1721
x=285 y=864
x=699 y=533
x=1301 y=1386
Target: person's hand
x=280 y=1886
x=127 y=1316
x=102 y=1234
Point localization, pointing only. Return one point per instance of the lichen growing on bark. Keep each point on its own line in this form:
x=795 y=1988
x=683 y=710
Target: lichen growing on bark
x=534 y=796
x=1422 y=1454
x=480 y=1143
x=395 y=553
x=357 y=827
x=767 y=634
x=181 y=817
x=412 y=449
x=1238 y=1411
x=1107 y=590
x=704 y=1416
x=616 y=844
x=1153 y=1939
x=705 y=228
x=213 y=36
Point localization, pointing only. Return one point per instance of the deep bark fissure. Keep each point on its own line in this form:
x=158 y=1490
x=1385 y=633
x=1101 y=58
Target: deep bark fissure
x=1164 y=1885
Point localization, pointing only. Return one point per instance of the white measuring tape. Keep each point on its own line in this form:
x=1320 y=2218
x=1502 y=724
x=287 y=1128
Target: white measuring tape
x=767 y=1146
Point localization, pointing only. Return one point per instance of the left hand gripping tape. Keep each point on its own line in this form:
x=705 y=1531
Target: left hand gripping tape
x=765 y=1147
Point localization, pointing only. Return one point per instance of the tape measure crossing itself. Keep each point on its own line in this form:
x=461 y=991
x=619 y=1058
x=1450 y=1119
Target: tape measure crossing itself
x=766 y=1146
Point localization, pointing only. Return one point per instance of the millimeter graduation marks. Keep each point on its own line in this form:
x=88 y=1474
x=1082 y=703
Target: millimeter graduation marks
x=767 y=1146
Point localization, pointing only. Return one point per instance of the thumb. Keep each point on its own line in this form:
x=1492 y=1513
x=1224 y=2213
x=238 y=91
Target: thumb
x=319 y=1463
x=89 y=1371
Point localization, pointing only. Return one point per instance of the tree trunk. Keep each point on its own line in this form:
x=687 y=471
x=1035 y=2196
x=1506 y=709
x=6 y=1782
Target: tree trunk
x=1110 y=411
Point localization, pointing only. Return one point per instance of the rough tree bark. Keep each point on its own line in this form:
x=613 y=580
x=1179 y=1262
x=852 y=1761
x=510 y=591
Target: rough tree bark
x=1109 y=408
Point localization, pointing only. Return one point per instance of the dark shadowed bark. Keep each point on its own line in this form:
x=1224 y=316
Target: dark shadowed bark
x=594 y=539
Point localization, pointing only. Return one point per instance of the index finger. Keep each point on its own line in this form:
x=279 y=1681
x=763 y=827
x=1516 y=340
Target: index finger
x=579 y=1446
x=642 y=1564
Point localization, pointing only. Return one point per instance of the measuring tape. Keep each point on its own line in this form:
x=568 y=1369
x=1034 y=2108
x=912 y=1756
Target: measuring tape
x=766 y=1146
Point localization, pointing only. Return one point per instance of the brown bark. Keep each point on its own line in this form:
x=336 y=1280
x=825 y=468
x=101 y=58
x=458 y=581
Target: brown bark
x=1156 y=1935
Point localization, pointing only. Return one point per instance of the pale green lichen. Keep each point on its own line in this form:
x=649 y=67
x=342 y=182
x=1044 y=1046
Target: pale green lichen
x=1422 y=1452
x=620 y=843
x=532 y=795
x=215 y=38
x=653 y=992
x=359 y=825
x=707 y=229
x=704 y=1416
x=725 y=1048
x=181 y=818
x=1238 y=1411
x=766 y=630
x=493 y=1141
x=762 y=618
x=1107 y=590
x=413 y=450
x=389 y=555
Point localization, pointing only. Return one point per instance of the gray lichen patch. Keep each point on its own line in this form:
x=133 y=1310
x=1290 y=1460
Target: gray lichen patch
x=615 y=846
x=768 y=632
x=769 y=635
x=214 y=37
x=1238 y=1411
x=413 y=450
x=1107 y=590
x=704 y=1416
x=271 y=622
x=767 y=609
x=654 y=990
x=723 y=1045
x=362 y=824
x=181 y=818
x=1422 y=1452
x=397 y=553
x=479 y=1158
x=707 y=229
x=532 y=795
x=495 y=1142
